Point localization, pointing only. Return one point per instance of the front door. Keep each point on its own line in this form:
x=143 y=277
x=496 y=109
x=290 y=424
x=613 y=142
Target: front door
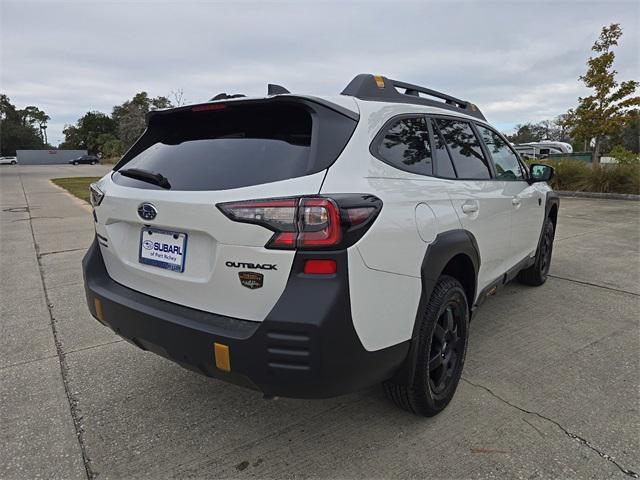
x=527 y=209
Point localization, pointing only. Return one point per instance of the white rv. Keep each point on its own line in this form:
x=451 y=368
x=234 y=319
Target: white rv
x=542 y=148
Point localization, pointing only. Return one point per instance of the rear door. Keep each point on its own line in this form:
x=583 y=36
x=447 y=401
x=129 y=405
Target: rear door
x=478 y=199
x=526 y=201
x=170 y=240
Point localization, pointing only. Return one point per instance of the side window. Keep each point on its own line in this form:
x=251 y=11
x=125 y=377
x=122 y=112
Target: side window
x=506 y=162
x=405 y=145
x=468 y=160
x=443 y=166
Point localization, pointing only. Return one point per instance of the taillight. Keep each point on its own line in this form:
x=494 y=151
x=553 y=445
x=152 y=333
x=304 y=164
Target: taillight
x=319 y=223
x=308 y=222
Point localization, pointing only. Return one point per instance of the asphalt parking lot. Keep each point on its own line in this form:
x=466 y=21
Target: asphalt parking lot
x=550 y=387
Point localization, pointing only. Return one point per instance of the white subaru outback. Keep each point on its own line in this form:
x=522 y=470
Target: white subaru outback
x=309 y=247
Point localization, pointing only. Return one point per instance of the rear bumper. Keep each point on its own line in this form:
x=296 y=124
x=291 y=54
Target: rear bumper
x=305 y=348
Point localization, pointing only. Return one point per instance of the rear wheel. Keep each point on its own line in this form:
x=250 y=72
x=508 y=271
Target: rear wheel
x=13 y=162
x=75 y=163
x=442 y=346
x=93 y=163
x=537 y=273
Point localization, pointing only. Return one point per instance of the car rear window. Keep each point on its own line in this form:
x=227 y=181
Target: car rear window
x=238 y=145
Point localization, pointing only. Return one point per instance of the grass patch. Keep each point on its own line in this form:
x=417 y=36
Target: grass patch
x=78 y=186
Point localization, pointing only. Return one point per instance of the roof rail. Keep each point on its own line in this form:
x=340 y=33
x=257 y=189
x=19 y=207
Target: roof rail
x=381 y=89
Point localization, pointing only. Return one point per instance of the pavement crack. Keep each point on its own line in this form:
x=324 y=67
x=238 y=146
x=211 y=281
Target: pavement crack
x=582 y=282
x=40 y=255
x=64 y=369
x=27 y=362
x=92 y=346
x=571 y=435
x=33 y=218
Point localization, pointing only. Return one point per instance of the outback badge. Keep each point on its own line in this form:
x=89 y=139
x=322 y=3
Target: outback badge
x=251 y=280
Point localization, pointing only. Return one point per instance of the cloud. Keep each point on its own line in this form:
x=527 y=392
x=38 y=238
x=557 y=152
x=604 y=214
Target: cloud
x=518 y=60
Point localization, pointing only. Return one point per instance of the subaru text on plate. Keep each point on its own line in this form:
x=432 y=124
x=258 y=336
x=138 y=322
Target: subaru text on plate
x=309 y=247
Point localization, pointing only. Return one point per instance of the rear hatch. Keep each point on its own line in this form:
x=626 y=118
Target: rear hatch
x=159 y=227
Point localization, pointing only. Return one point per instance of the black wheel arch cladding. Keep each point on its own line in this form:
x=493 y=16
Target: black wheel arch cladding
x=447 y=246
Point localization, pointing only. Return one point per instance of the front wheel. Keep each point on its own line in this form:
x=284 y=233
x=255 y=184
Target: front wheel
x=75 y=163
x=13 y=162
x=537 y=273
x=441 y=350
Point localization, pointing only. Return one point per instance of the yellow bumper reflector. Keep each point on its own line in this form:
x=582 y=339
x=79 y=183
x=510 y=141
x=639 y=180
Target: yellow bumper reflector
x=223 y=362
x=379 y=81
x=99 y=313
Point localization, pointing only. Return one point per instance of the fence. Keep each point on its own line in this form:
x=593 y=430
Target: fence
x=47 y=157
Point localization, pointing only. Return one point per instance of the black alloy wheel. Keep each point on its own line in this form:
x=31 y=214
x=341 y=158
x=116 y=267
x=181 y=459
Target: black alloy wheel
x=445 y=351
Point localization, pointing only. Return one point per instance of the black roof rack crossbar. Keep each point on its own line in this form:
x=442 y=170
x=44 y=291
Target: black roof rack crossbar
x=378 y=88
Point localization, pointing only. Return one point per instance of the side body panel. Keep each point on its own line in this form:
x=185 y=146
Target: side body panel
x=484 y=208
x=385 y=265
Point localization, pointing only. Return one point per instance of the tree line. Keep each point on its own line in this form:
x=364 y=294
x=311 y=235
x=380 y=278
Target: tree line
x=111 y=135
x=21 y=128
x=607 y=120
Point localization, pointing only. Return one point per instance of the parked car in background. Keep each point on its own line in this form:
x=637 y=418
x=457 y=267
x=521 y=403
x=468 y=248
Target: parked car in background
x=85 y=160
x=8 y=160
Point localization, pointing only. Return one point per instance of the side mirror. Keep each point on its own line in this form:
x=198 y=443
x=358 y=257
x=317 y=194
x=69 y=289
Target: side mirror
x=541 y=173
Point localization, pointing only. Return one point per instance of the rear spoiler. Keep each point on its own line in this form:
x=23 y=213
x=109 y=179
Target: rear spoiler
x=220 y=104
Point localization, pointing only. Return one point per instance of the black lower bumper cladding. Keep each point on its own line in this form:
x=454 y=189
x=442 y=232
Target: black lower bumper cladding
x=306 y=347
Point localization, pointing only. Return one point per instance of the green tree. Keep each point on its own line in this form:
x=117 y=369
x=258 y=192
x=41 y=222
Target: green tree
x=34 y=117
x=89 y=132
x=130 y=116
x=110 y=146
x=605 y=112
x=18 y=129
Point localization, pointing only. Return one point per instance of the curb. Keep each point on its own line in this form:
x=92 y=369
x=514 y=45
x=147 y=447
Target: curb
x=610 y=196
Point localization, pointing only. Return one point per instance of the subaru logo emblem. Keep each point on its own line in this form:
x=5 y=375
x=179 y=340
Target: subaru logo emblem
x=147 y=211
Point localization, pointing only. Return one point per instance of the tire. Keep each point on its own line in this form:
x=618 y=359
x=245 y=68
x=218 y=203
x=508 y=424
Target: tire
x=93 y=163
x=445 y=324
x=537 y=273
x=75 y=163
x=13 y=162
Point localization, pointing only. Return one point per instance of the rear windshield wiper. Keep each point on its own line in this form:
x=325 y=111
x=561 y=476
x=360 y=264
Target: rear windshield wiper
x=146 y=176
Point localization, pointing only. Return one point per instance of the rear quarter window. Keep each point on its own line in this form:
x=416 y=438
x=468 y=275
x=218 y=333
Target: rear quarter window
x=404 y=144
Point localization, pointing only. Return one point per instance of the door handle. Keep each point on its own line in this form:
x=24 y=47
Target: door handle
x=470 y=208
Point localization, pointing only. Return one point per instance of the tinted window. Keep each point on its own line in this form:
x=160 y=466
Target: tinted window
x=443 y=165
x=464 y=146
x=238 y=145
x=506 y=162
x=405 y=145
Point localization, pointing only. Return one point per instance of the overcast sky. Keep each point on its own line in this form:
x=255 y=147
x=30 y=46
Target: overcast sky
x=517 y=60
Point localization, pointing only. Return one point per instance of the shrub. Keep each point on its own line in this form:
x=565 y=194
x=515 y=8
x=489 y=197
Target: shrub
x=622 y=155
x=616 y=178
x=578 y=176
